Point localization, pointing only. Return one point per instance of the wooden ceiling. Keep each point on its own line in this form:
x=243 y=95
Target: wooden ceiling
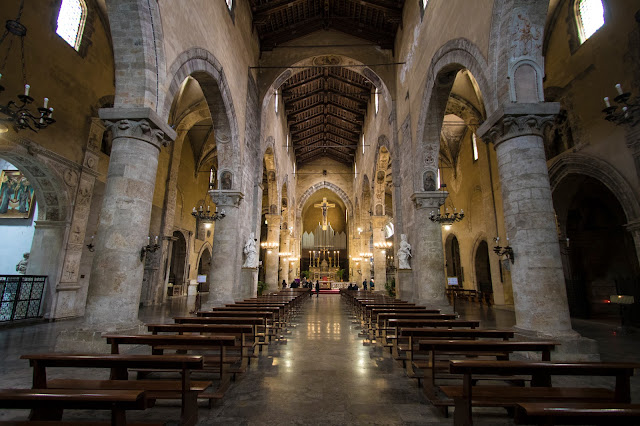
x=280 y=21
x=325 y=109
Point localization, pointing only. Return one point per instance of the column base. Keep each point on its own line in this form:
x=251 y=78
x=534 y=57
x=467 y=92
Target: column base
x=249 y=282
x=573 y=346
x=91 y=340
x=404 y=284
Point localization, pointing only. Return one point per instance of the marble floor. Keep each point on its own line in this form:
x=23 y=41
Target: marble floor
x=322 y=375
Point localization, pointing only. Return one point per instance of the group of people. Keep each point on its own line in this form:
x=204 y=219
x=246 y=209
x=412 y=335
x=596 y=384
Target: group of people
x=353 y=286
x=303 y=284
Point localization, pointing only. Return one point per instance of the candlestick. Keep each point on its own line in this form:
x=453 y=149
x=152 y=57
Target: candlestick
x=619 y=89
x=26 y=89
x=606 y=102
x=46 y=102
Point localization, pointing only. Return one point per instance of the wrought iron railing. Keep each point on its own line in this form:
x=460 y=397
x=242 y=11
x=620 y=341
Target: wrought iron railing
x=21 y=296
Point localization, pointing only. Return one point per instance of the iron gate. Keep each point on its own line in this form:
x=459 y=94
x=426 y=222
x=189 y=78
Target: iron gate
x=21 y=296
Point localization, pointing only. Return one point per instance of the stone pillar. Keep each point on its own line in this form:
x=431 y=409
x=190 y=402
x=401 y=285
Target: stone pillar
x=271 y=257
x=283 y=270
x=428 y=255
x=356 y=271
x=116 y=275
x=294 y=267
x=226 y=257
x=365 y=263
x=539 y=291
x=634 y=229
x=379 y=254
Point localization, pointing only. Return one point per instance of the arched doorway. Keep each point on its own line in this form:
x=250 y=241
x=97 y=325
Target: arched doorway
x=177 y=277
x=483 y=271
x=598 y=253
x=204 y=266
x=453 y=265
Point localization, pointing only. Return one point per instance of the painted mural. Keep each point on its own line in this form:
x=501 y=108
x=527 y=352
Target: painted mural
x=16 y=195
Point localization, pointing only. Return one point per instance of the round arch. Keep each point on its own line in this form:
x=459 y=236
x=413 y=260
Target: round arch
x=328 y=185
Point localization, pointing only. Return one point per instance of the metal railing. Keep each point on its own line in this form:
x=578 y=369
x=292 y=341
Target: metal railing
x=21 y=296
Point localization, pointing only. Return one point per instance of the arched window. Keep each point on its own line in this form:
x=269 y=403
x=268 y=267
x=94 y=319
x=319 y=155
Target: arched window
x=589 y=17
x=71 y=19
x=423 y=6
x=376 y=100
x=276 y=100
x=474 y=146
x=230 y=4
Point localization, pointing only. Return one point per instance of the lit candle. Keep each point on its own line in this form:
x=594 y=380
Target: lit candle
x=156 y=239
x=148 y=240
x=619 y=89
x=46 y=102
x=208 y=209
x=50 y=112
x=26 y=89
x=461 y=211
x=200 y=207
x=606 y=102
x=194 y=210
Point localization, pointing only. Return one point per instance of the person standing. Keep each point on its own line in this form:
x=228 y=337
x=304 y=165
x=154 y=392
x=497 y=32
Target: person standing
x=364 y=285
x=284 y=284
x=317 y=288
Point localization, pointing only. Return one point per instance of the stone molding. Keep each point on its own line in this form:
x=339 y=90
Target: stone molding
x=138 y=123
x=429 y=199
x=51 y=223
x=516 y=120
x=633 y=226
x=225 y=198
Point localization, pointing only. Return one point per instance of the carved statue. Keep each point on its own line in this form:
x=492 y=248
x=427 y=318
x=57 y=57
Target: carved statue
x=21 y=267
x=429 y=181
x=404 y=253
x=250 y=251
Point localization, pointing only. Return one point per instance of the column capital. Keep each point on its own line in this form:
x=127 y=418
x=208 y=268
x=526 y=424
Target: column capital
x=226 y=198
x=513 y=120
x=429 y=199
x=273 y=220
x=378 y=221
x=138 y=123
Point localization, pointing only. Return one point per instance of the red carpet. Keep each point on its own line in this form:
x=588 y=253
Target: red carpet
x=333 y=291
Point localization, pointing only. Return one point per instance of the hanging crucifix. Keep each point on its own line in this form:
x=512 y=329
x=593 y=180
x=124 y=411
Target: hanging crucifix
x=324 y=206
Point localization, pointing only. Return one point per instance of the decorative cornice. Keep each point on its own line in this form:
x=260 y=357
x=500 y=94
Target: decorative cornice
x=226 y=198
x=429 y=199
x=514 y=120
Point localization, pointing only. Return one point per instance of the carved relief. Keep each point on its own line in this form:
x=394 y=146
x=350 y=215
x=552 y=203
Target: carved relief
x=141 y=130
x=226 y=180
x=70 y=178
x=429 y=181
x=511 y=126
x=327 y=60
x=431 y=156
x=273 y=209
x=526 y=38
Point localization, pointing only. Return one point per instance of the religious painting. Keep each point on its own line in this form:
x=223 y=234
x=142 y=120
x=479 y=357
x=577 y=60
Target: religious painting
x=16 y=195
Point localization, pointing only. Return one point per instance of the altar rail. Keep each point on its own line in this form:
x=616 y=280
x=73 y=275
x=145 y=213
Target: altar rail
x=21 y=296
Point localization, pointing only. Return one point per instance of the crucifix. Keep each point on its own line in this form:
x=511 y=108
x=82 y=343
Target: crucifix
x=324 y=206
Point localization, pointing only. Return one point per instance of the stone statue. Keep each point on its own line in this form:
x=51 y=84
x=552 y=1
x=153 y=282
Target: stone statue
x=404 y=253
x=21 y=267
x=250 y=251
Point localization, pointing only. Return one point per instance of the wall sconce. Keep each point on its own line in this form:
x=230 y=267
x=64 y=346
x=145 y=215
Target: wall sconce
x=149 y=248
x=504 y=251
x=629 y=112
x=90 y=246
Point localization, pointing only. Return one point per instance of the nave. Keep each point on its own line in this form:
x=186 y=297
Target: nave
x=323 y=374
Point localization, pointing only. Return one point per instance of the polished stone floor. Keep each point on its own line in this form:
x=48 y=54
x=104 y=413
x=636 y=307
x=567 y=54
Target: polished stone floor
x=323 y=374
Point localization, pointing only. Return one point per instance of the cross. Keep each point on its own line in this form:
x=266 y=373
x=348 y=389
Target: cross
x=324 y=206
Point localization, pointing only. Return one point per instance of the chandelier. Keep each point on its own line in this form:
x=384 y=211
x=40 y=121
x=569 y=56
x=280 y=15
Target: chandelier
x=628 y=114
x=18 y=113
x=366 y=255
x=269 y=245
x=383 y=245
x=207 y=216
x=447 y=219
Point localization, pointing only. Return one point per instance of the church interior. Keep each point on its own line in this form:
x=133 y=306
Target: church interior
x=478 y=159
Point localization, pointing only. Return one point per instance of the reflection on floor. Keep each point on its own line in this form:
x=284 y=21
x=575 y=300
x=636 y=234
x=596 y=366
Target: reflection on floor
x=322 y=375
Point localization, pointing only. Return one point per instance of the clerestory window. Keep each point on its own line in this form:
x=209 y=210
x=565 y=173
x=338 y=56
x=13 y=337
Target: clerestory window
x=423 y=6
x=71 y=19
x=589 y=17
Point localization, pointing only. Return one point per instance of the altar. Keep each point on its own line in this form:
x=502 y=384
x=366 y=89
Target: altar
x=324 y=273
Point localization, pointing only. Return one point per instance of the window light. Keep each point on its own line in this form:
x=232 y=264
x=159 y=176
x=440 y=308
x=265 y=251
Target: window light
x=589 y=17
x=363 y=143
x=277 y=98
x=287 y=143
x=71 y=21
x=229 y=4
x=474 y=144
x=376 y=100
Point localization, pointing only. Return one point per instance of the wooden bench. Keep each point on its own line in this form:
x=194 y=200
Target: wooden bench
x=184 y=389
x=259 y=324
x=271 y=326
x=541 y=389
x=217 y=363
x=49 y=404
x=499 y=349
x=578 y=413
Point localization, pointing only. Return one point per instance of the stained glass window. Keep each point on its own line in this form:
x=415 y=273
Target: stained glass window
x=589 y=17
x=71 y=21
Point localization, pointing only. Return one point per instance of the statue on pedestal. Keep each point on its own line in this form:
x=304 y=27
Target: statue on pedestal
x=21 y=267
x=250 y=251
x=404 y=253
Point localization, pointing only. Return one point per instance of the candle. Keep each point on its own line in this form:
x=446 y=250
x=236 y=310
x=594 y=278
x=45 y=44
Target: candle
x=200 y=208
x=26 y=89
x=156 y=239
x=606 y=102
x=46 y=102
x=619 y=89
x=148 y=240
x=208 y=209
x=50 y=112
x=194 y=210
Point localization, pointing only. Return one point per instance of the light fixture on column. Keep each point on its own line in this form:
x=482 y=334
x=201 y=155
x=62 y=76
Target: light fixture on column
x=447 y=219
x=504 y=251
x=383 y=245
x=366 y=255
x=269 y=246
x=284 y=254
x=149 y=248
x=206 y=216
x=17 y=114
x=629 y=112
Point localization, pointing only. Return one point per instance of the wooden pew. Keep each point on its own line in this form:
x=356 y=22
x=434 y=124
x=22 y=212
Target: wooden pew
x=259 y=324
x=577 y=413
x=184 y=389
x=49 y=404
x=160 y=343
x=499 y=349
x=541 y=389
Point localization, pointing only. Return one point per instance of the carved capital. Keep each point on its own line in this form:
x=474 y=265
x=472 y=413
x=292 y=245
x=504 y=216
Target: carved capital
x=273 y=220
x=429 y=199
x=224 y=198
x=141 y=130
x=515 y=120
x=378 y=221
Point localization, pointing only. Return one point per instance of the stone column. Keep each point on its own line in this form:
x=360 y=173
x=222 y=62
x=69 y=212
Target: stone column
x=116 y=275
x=539 y=291
x=226 y=257
x=271 y=257
x=379 y=254
x=634 y=229
x=283 y=270
x=633 y=143
x=429 y=279
x=365 y=263
x=356 y=271
x=293 y=267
